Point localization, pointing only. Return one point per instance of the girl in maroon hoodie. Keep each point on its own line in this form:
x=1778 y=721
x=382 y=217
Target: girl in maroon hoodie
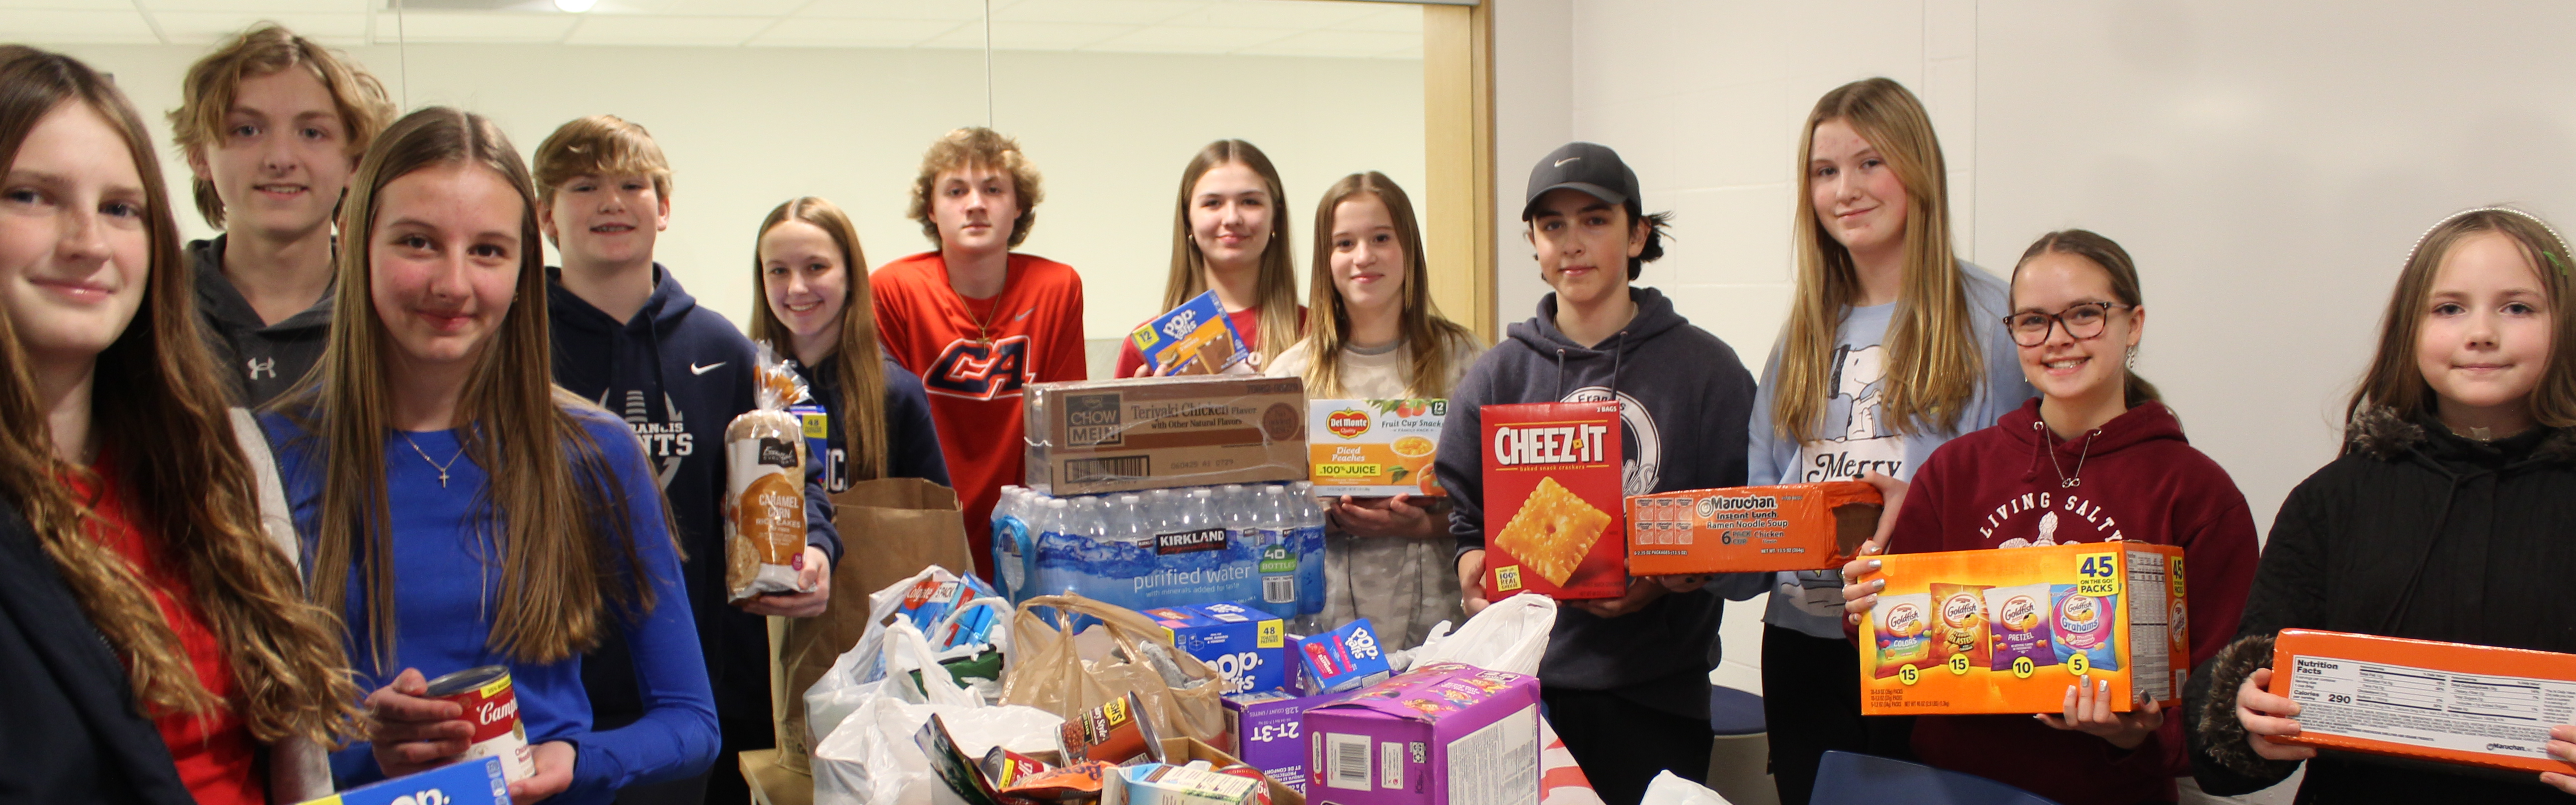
x=2096 y=459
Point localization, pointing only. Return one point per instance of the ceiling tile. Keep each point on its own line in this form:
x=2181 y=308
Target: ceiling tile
x=1339 y=43
x=801 y=32
x=67 y=5
x=1030 y=35
x=618 y=29
x=257 y=7
x=1282 y=14
x=475 y=27
x=1188 y=39
x=1401 y=19
x=951 y=10
x=201 y=27
x=77 y=27
x=699 y=8
x=1134 y=12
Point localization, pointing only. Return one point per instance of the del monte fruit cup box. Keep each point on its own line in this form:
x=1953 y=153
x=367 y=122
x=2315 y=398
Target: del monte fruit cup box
x=1552 y=500
x=1374 y=448
x=2007 y=630
x=2448 y=702
x=1811 y=526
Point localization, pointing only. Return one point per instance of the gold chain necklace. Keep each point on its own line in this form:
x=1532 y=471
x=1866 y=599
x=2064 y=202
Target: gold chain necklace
x=442 y=468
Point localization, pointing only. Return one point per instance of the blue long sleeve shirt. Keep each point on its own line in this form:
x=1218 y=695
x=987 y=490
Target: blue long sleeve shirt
x=446 y=593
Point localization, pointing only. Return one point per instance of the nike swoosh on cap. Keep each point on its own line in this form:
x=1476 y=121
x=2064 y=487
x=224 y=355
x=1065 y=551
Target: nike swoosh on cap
x=1561 y=163
x=699 y=370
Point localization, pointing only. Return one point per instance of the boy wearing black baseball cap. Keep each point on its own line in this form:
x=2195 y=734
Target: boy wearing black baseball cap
x=1625 y=679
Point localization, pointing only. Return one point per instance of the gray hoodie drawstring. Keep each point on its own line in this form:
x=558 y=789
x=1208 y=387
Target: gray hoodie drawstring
x=1560 y=374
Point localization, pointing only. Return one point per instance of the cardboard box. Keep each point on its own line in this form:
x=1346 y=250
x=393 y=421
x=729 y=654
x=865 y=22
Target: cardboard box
x=1374 y=448
x=1098 y=436
x=2006 y=630
x=471 y=782
x=1341 y=660
x=1440 y=734
x=1246 y=646
x=1815 y=526
x=1553 y=500
x=1184 y=750
x=1268 y=733
x=1195 y=338
x=2449 y=702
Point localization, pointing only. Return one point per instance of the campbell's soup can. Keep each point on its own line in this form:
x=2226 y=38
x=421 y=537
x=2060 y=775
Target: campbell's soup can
x=493 y=708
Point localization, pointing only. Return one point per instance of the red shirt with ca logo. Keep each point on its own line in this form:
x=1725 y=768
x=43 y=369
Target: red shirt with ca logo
x=973 y=355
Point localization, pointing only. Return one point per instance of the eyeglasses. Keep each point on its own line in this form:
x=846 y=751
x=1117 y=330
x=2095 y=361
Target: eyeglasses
x=2082 y=320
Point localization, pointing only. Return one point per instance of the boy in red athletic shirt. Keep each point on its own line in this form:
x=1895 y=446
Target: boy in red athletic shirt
x=976 y=321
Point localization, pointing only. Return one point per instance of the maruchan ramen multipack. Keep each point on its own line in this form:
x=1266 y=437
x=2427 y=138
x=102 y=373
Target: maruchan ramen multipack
x=2448 y=702
x=2007 y=630
x=1374 y=448
x=1193 y=339
x=1812 y=526
x=1552 y=500
x=1094 y=436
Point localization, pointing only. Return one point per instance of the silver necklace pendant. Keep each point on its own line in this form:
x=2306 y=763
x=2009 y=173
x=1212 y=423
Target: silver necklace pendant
x=2070 y=483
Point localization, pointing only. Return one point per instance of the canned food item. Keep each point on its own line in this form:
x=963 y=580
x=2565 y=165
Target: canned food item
x=493 y=708
x=1115 y=732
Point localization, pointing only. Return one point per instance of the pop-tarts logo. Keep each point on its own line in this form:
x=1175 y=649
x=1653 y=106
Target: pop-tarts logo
x=1243 y=644
x=472 y=782
x=1181 y=323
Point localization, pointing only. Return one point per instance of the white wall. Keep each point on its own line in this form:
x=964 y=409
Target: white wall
x=747 y=128
x=2268 y=164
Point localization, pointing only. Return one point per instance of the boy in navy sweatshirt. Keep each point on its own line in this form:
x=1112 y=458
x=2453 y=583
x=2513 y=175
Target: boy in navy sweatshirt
x=627 y=337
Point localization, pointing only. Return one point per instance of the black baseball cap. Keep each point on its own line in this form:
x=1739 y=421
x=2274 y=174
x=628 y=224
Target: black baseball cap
x=1590 y=167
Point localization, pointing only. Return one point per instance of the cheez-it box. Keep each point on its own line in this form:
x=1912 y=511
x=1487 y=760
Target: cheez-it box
x=1811 y=526
x=2449 y=702
x=1552 y=493
x=2006 y=630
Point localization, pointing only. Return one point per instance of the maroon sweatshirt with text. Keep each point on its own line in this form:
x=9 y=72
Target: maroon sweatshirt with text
x=2133 y=479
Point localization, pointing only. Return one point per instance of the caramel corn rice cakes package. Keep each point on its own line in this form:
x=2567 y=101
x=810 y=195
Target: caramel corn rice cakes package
x=1552 y=495
x=2006 y=630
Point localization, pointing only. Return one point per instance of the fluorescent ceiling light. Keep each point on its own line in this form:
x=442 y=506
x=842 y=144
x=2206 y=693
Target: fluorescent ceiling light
x=575 y=6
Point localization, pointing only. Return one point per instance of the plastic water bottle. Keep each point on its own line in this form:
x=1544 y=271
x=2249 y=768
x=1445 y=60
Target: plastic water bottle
x=1307 y=541
x=1127 y=522
x=1271 y=521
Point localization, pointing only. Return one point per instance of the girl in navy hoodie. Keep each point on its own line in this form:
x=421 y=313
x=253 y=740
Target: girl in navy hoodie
x=2096 y=459
x=1626 y=679
x=816 y=307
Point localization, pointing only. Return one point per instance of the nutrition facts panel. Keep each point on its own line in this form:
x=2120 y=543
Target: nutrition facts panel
x=2506 y=715
x=2149 y=667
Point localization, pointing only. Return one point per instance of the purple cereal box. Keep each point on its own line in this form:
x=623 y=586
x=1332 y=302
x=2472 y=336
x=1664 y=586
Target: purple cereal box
x=1268 y=734
x=1441 y=734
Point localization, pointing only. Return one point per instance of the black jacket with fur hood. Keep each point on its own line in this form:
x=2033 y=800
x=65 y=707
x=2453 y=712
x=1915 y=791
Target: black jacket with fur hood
x=2414 y=532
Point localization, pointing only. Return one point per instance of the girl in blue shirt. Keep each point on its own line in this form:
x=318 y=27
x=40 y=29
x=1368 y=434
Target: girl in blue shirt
x=457 y=508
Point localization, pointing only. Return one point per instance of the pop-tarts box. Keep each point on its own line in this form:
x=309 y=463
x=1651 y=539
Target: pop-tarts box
x=1441 y=734
x=1268 y=733
x=1244 y=645
x=1344 y=659
x=471 y=782
x=1195 y=337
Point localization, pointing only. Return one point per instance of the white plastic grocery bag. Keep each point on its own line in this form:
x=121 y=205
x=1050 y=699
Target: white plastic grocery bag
x=1509 y=635
x=1669 y=789
x=870 y=758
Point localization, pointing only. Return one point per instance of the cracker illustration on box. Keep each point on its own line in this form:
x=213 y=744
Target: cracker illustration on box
x=2007 y=630
x=1553 y=489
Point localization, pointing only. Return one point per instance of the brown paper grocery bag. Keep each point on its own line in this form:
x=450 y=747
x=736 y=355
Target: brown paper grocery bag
x=1047 y=670
x=890 y=528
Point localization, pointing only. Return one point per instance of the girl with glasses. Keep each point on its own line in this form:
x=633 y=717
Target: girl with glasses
x=2097 y=458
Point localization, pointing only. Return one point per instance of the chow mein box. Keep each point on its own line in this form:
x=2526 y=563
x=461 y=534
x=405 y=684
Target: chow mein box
x=1552 y=492
x=1374 y=448
x=2448 y=702
x=2007 y=630
x=1444 y=733
x=1813 y=526
x=1092 y=436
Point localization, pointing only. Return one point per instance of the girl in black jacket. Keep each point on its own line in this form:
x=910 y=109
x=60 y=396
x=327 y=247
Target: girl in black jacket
x=2447 y=517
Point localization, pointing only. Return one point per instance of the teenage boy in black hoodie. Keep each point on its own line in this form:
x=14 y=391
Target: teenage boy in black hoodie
x=626 y=336
x=271 y=125
x=1625 y=679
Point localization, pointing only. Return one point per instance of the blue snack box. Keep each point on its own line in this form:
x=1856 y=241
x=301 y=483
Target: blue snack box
x=1196 y=337
x=472 y=782
x=1244 y=645
x=1338 y=661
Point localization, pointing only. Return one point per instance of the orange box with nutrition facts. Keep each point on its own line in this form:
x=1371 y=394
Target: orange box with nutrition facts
x=2006 y=630
x=2448 y=702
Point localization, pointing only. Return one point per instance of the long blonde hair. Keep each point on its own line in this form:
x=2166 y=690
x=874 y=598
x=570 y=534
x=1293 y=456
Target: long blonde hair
x=1274 y=287
x=157 y=403
x=1432 y=336
x=2396 y=383
x=566 y=538
x=1934 y=363
x=862 y=374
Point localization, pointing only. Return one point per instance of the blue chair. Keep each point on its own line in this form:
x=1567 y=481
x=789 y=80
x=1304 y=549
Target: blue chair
x=1733 y=713
x=1846 y=778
